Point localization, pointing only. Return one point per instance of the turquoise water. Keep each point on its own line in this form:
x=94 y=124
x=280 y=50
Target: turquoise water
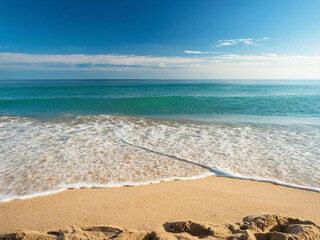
x=111 y=132
x=160 y=98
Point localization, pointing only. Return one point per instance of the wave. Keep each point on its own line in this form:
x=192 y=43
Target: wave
x=40 y=157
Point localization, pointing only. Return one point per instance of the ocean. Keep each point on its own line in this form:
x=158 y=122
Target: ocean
x=59 y=134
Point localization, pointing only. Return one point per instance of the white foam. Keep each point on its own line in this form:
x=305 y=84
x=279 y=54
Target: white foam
x=4 y=198
x=104 y=150
x=227 y=173
x=216 y=171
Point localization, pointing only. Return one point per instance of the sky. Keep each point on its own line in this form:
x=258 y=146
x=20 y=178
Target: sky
x=160 y=39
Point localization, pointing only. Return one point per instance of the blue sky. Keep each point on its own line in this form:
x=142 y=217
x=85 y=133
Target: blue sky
x=256 y=39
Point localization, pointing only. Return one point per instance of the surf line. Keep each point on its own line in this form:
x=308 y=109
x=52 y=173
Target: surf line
x=220 y=173
x=167 y=155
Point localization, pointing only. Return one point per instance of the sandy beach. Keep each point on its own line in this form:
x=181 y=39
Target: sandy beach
x=159 y=120
x=211 y=200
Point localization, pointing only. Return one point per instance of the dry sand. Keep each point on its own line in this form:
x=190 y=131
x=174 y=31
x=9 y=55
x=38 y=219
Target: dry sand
x=146 y=209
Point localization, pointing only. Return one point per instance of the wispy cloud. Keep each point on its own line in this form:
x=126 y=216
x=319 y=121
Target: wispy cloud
x=311 y=48
x=109 y=59
x=194 y=52
x=268 y=65
x=245 y=41
x=271 y=54
x=4 y=46
x=197 y=52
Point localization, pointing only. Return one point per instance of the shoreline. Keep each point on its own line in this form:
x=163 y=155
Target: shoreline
x=215 y=172
x=104 y=186
x=212 y=199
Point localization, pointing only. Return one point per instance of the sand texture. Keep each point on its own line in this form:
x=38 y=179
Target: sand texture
x=265 y=227
x=212 y=208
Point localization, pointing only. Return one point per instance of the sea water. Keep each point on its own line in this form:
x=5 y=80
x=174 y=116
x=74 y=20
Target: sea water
x=58 y=134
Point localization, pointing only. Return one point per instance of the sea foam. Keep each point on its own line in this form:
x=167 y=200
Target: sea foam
x=43 y=157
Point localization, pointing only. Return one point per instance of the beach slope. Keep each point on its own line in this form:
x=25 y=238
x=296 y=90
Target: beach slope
x=176 y=207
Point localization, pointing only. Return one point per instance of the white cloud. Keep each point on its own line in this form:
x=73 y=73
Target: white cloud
x=311 y=48
x=127 y=60
x=199 y=52
x=268 y=65
x=246 y=41
x=227 y=43
x=271 y=54
x=37 y=67
x=194 y=52
x=4 y=46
